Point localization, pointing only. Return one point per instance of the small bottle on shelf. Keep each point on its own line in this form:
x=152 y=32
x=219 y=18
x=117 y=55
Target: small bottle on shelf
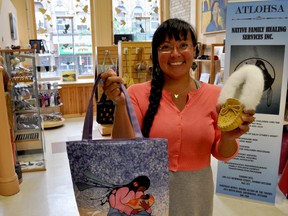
x=52 y=100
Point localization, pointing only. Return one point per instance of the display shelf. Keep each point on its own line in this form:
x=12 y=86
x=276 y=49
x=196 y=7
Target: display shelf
x=28 y=141
x=53 y=119
x=208 y=68
x=45 y=65
x=32 y=163
x=25 y=111
x=42 y=109
x=52 y=124
x=50 y=102
x=27 y=121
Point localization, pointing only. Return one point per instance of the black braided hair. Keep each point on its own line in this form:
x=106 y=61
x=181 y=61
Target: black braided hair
x=171 y=28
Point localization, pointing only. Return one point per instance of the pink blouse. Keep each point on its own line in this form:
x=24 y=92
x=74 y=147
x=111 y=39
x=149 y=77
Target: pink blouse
x=192 y=134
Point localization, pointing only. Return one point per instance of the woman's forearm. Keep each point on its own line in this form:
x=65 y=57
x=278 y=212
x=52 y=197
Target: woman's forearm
x=122 y=127
x=227 y=147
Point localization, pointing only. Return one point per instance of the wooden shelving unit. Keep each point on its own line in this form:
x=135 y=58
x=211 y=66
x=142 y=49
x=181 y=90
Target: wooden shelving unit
x=212 y=62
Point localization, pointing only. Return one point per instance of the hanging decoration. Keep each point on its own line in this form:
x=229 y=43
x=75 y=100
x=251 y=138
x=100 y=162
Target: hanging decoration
x=85 y=9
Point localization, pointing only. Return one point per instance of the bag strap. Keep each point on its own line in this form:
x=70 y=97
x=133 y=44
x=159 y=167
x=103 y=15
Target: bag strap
x=88 y=122
x=107 y=53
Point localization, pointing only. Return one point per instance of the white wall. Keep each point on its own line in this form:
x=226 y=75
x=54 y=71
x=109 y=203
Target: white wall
x=6 y=7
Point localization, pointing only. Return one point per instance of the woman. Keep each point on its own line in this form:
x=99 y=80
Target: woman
x=121 y=199
x=183 y=110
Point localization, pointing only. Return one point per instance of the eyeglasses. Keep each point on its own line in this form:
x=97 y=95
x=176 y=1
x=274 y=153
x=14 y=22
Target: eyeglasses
x=168 y=48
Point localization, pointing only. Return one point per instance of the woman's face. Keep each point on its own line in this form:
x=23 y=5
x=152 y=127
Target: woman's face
x=142 y=188
x=176 y=57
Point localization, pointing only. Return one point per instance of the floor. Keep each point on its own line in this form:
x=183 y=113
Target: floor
x=50 y=192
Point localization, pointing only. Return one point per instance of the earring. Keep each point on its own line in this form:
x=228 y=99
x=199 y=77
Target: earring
x=194 y=66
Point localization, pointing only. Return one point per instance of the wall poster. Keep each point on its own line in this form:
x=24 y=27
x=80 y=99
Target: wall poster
x=256 y=33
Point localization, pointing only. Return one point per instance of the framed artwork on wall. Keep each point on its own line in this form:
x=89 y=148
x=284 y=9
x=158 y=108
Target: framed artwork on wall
x=13 y=26
x=213 y=16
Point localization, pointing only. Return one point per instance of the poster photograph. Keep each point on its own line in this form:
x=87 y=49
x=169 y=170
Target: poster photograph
x=213 y=17
x=255 y=33
x=270 y=58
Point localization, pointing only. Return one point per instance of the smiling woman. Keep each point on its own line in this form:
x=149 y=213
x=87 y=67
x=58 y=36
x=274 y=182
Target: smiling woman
x=191 y=107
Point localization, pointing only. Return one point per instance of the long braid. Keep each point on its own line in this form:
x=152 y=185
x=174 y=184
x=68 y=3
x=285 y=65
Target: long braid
x=154 y=99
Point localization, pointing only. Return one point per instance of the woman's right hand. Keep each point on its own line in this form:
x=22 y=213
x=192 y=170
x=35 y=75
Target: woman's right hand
x=122 y=127
x=111 y=87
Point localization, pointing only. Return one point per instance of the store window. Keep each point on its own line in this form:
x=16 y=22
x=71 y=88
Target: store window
x=65 y=29
x=138 y=18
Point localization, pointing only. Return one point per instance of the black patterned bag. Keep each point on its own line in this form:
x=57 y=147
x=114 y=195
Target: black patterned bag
x=105 y=108
x=105 y=111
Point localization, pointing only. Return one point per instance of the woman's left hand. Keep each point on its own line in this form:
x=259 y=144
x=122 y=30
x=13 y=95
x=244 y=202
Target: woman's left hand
x=228 y=145
x=247 y=118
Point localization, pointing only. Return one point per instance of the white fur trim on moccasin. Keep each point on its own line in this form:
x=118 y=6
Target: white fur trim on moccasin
x=245 y=84
x=242 y=90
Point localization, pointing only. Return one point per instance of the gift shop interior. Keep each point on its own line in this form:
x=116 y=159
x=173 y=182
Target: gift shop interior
x=50 y=52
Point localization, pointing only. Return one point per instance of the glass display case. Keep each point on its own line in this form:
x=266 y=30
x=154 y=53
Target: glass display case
x=27 y=126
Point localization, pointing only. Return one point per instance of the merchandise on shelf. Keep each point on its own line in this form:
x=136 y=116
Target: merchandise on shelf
x=50 y=102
